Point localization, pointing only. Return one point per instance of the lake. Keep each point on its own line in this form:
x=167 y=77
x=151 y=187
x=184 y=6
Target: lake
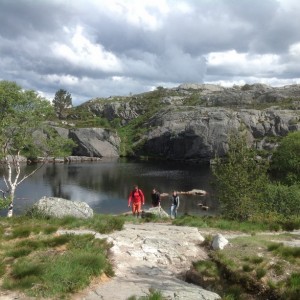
x=105 y=185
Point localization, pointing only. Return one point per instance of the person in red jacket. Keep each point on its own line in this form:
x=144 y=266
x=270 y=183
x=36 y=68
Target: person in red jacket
x=137 y=199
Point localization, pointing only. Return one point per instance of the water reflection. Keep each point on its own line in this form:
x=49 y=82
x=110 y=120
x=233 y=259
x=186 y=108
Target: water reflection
x=106 y=185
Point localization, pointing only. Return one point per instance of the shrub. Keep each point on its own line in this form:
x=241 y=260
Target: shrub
x=260 y=273
x=282 y=199
x=286 y=159
x=240 y=181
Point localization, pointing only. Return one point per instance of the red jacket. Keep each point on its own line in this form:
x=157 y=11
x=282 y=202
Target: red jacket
x=136 y=196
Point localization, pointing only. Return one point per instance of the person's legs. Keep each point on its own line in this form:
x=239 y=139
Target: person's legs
x=134 y=209
x=172 y=211
x=139 y=206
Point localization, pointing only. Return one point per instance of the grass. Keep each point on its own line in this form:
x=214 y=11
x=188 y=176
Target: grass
x=288 y=253
x=219 y=223
x=254 y=226
x=252 y=261
x=207 y=268
x=44 y=265
x=153 y=295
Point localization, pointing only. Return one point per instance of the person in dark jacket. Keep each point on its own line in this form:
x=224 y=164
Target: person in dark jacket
x=174 y=204
x=155 y=196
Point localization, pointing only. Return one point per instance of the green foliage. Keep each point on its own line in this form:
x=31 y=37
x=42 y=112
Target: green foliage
x=4 y=203
x=240 y=181
x=52 y=271
x=282 y=199
x=23 y=131
x=154 y=295
x=293 y=284
x=224 y=224
x=22 y=113
x=207 y=268
x=62 y=101
x=260 y=273
x=286 y=159
x=193 y=100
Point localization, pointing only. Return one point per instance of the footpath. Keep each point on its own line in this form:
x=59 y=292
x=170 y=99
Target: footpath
x=149 y=257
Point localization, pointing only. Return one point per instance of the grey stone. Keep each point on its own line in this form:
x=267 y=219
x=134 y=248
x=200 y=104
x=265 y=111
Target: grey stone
x=95 y=142
x=155 y=211
x=202 y=133
x=59 y=208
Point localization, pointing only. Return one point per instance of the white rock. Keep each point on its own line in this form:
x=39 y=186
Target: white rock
x=219 y=242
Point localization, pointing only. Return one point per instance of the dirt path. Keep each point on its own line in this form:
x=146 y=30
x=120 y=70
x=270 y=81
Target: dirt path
x=150 y=256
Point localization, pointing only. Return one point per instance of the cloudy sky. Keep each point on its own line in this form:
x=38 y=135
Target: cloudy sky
x=101 y=48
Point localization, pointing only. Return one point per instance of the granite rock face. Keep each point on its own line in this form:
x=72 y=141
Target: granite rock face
x=59 y=208
x=95 y=142
x=200 y=133
x=192 y=121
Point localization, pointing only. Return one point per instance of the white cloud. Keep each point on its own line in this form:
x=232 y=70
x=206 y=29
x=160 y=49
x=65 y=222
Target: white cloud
x=146 y=14
x=98 y=48
x=294 y=50
x=85 y=54
x=244 y=63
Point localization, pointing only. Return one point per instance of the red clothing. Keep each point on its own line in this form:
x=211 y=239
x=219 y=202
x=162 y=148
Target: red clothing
x=136 y=196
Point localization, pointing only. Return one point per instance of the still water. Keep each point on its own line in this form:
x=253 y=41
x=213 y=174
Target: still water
x=105 y=185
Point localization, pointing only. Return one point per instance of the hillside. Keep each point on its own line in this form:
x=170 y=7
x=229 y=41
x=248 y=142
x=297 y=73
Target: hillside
x=192 y=121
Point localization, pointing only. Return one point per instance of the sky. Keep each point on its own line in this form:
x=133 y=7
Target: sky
x=103 y=48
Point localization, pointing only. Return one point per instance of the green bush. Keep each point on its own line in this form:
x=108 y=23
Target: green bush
x=286 y=159
x=240 y=180
x=282 y=199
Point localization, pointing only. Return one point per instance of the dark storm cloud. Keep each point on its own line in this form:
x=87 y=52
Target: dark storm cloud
x=102 y=48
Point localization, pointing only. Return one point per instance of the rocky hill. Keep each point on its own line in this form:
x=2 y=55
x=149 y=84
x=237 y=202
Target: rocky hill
x=192 y=121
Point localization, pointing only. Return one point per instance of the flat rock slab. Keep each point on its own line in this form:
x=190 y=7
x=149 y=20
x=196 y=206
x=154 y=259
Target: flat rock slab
x=150 y=257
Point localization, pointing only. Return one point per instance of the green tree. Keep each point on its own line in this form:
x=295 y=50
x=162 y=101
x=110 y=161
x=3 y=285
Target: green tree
x=286 y=159
x=240 y=180
x=22 y=116
x=62 y=101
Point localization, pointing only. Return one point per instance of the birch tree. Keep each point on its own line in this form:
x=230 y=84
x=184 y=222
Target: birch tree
x=24 y=133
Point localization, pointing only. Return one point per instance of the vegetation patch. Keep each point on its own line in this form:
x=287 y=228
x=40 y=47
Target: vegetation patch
x=252 y=267
x=45 y=265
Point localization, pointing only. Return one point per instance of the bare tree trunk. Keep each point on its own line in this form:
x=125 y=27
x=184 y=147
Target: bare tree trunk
x=12 y=183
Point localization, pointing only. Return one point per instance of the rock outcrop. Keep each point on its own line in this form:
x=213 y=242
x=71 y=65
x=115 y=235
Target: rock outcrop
x=193 y=121
x=95 y=142
x=59 y=208
x=202 y=132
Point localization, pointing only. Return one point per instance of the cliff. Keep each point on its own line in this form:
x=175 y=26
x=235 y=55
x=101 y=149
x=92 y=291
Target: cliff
x=191 y=121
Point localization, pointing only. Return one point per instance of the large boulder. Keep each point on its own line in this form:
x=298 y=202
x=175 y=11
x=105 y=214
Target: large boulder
x=95 y=142
x=59 y=208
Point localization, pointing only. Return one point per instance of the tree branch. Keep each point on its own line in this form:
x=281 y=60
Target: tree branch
x=31 y=173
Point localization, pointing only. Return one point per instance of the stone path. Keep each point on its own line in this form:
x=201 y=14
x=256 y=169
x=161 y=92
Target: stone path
x=150 y=256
